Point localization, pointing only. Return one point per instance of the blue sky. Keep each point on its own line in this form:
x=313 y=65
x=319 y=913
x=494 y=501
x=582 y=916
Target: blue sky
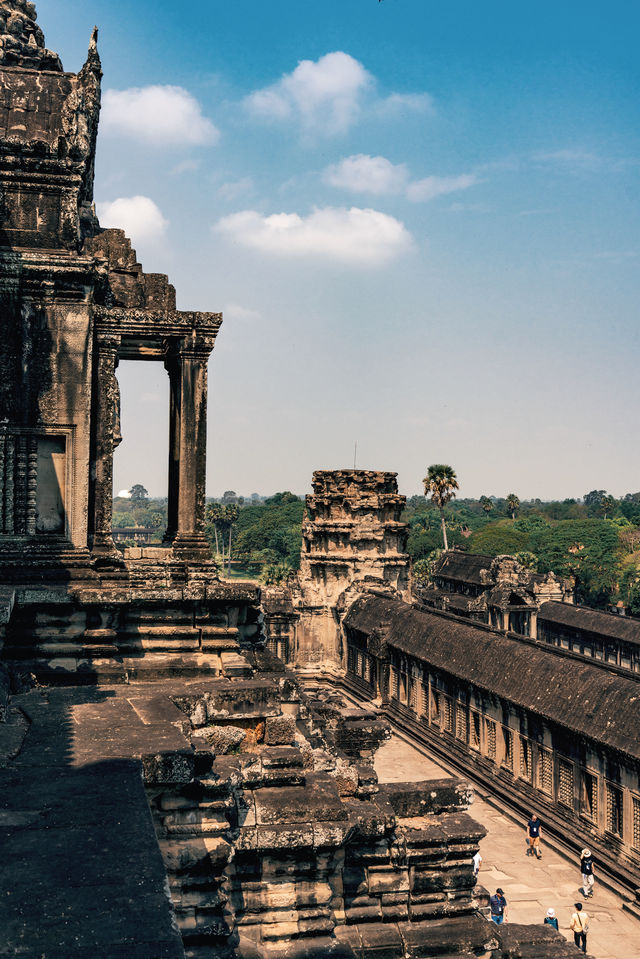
x=420 y=221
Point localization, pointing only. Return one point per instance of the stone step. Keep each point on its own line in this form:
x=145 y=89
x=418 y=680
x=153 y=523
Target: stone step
x=158 y=665
x=71 y=671
x=159 y=644
x=61 y=650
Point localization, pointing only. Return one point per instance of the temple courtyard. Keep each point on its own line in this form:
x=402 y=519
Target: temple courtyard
x=530 y=886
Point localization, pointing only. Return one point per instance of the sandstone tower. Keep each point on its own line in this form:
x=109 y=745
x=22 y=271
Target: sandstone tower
x=352 y=539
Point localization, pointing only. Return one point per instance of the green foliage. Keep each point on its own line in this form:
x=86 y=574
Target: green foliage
x=499 y=537
x=271 y=531
x=423 y=568
x=138 y=493
x=571 y=538
x=275 y=573
x=144 y=512
x=486 y=504
x=512 y=504
x=528 y=560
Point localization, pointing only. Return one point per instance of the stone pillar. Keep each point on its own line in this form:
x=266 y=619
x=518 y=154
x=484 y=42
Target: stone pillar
x=172 y=365
x=187 y=364
x=106 y=400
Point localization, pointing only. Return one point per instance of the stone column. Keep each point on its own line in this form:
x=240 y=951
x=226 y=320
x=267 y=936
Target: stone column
x=106 y=400
x=187 y=364
x=173 y=367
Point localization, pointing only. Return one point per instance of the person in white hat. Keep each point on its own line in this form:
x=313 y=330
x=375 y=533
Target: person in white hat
x=551 y=919
x=586 y=868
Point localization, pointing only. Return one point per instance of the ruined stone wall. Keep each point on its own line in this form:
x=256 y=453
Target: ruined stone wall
x=48 y=128
x=283 y=843
x=353 y=538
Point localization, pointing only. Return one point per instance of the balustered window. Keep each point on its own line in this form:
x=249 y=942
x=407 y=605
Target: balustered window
x=544 y=777
x=492 y=739
x=414 y=694
x=589 y=795
x=614 y=810
x=435 y=707
x=462 y=722
x=635 y=812
x=447 y=714
x=507 y=747
x=423 y=699
x=526 y=760
x=474 y=729
x=565 y=783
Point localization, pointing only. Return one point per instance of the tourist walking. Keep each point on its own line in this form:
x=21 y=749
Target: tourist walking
x=580 y=926
x=499 y=907
x=586 y=868
x=533 y=832
x=477 y=859
x=551 y=919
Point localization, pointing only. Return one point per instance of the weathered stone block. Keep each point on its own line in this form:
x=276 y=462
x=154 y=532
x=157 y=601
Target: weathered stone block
x=363 y=914
x=280 y=731
x=381 y=880
x=223 y=739
x=195 y=854
x=169 y=767
x=297 y=836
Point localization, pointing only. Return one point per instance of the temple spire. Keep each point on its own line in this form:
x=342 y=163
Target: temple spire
x=22 y=40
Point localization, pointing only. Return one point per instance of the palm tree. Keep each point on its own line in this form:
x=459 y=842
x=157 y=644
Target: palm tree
x=513 y=504
x=486 y=504
x=440 y=484
x=607 y=505
x=213 y=515
x=230 y=513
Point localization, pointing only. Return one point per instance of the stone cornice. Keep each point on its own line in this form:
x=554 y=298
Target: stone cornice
x=174 y=323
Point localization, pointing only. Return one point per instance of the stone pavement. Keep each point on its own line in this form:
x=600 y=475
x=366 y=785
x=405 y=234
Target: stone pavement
x=530 y=886
x=81 y=875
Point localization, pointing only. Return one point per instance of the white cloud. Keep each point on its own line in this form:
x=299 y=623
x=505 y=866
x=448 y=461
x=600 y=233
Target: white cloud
x=159 y=115
x=138 y=216
x=235 y=188
x=324 y=95
x=432 y=186
x=329 y=94
x=124 y=494
x=367 y=174
x=406 y=103
x=234 y=311
x=356 y=237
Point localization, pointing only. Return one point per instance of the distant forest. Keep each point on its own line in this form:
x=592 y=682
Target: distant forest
x=594 y=540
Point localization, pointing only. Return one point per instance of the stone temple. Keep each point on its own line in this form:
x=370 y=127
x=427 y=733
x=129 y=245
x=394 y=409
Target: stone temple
x=186 y=764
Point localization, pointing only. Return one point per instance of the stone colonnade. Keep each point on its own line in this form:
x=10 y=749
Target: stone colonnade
x=185 y=359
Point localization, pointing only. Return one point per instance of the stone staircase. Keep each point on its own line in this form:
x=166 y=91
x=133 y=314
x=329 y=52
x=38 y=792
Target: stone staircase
x=129 y=634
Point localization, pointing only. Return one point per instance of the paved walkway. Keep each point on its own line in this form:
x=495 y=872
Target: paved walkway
x=530 y=886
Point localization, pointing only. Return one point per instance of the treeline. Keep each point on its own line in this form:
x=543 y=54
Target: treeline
x=595 y=540
x=263 y=535
x=138 y=510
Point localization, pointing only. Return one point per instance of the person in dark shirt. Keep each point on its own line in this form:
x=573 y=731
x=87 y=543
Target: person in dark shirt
x=586 y=868
x=498 y=906
x=533 y=832
x=551 y=919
